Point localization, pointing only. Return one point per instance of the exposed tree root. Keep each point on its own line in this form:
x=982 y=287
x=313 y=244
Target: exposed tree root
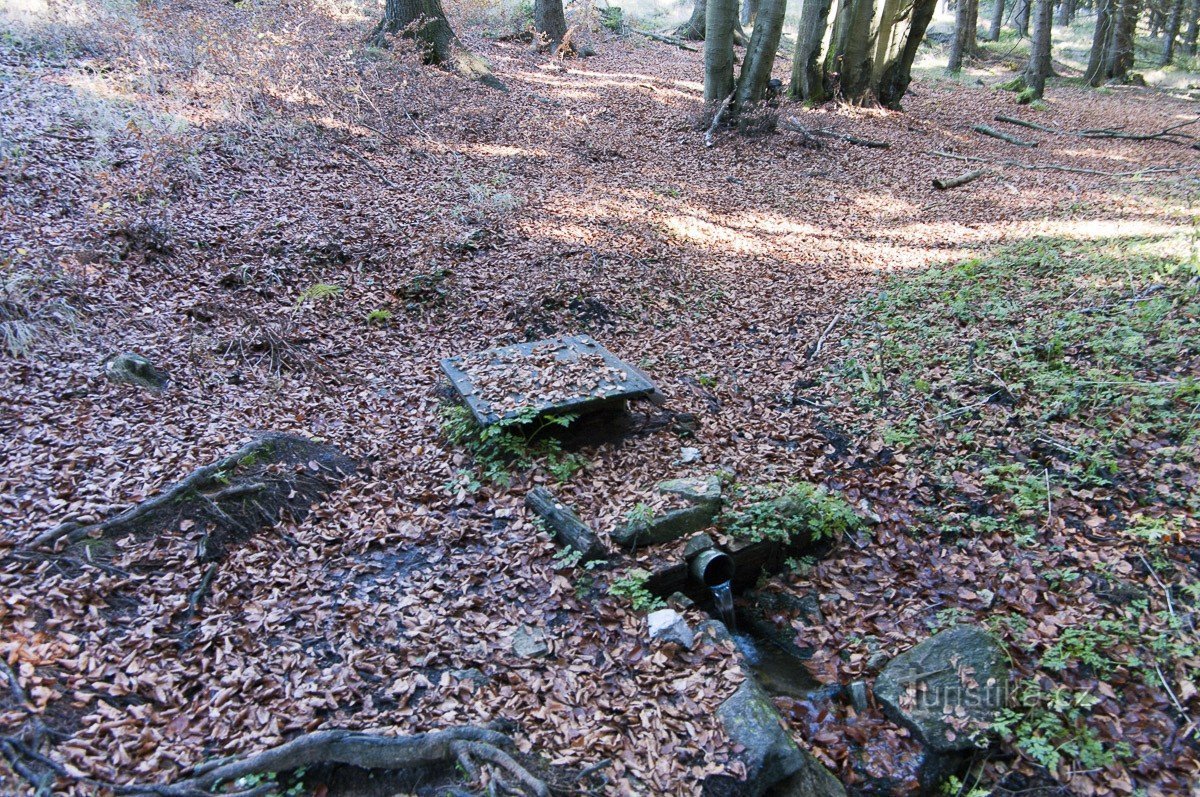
x=810 y=135
x=474 y=749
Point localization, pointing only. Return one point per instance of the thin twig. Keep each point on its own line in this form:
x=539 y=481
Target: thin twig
x=816 y=350
x=382 y=177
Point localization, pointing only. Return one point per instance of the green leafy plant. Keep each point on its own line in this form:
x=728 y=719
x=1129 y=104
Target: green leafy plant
x=780 y=512
x=518 y=442
x=379 y=317
x=641 y=513
x=319 y=291
x=632 y=586
x=1050 y=725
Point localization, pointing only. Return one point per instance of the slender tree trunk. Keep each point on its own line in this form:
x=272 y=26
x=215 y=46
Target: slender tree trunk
x=550 y=21
x=962 y=45
x=973 y=30
x=1021 y=17
x=1039 y=51
x=760 y=53
x=424 y=21
x=693 y=29
x=806 y=70
x=1064 y=12
x=1096 y=73
x=1188 y=47
x=718 y=49
x=1171 y=32
x=749 y=11
x=997 y=21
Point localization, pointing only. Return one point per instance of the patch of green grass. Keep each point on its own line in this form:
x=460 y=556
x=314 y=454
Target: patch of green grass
x=319 y=291
x=516 y=443
x=379 y=317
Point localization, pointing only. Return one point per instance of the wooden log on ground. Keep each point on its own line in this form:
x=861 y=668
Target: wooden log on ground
x=658 y=37
x=568 y=529
x=943 y=184
x=1005 y=137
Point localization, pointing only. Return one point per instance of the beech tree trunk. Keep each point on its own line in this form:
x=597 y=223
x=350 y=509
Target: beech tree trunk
x=720 y=17
x=806 y=80
x=760 y=53
x=1188 y=47
x=693 y=29
x=424 y=21
x=550 y=21
x=872 y=47
x=997 y=21
x=1098 y=57
x=1039 y=50
x=965 y=14
x=1171 y=32
x=749 y=11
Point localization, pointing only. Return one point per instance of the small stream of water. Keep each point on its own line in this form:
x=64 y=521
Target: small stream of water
x=723 y=597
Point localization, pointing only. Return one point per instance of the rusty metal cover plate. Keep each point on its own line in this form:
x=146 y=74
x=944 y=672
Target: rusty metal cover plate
x=556 y=375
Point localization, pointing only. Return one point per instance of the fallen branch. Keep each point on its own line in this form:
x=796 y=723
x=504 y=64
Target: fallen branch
x=1057 y=168
x=1166 y=134
x=816 y=349
x=791 y=123
x=944 y=184
x=370 y=166
x=680 y=43
x=710 y=134
x=1012 y=120
x=994 y=133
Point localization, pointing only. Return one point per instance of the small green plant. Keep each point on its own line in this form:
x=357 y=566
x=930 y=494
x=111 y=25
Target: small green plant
x=642 y=513
x=379 y=317
x=633 y=587
x=1051 y=725
x=518 y=442
x=319 y=291
x=779 y=512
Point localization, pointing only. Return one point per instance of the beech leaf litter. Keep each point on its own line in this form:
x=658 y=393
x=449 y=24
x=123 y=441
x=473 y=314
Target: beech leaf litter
x=298 y=228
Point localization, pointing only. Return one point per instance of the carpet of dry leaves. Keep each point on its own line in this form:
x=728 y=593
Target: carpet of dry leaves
x=175 y=181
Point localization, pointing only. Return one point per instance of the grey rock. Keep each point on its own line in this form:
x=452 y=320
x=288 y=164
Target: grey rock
x=471 y=675
x=960 y=673
x=699 y=491
x=689 y=455
x=858 y=695
x=677 y=600
x=530 y=643
x=697 y=544
x=773 y=761
x=666 y=527
x=668 y=625
x=134 y=369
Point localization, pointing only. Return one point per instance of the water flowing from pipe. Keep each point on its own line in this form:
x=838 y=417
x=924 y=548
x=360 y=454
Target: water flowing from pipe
x=723 y=597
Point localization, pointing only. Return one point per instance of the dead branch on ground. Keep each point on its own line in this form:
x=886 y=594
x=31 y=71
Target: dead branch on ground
x=711 y=134
x=994 y=133
x=658 y=37
x=793 y=124
x=1054 y=167
x=944 y=184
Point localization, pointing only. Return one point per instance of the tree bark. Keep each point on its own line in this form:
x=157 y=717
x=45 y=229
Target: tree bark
x=424 y=21
x=997 y=21
x=963 y=44
x=760 y=53
x=750 y=10
x=1039 y=51
x=693 y=29
x=1021 y=17
x=1171 y=32
x=550 y=21
x=806 y=69
x=896 y=72
x=1120 y=50
x=1188 y=47
x=718 y=49
x=1097 y=58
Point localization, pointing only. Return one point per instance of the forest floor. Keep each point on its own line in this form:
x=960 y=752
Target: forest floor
x=298 y=228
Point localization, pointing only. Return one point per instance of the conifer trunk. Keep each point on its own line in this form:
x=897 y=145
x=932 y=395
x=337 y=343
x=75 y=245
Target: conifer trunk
x=997 y=21
x=1171 y=32
x=1038 y=68
x=1097 y=58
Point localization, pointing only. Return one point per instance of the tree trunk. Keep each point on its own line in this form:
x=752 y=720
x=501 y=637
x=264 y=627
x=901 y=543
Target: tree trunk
x=693 y=29
x=1021 y=17
x=1188 y=47
x=973 y=30
x=1121 y=52
x=906 y=32
x=1097 y=59
x=806 y=71
x=1039 y=51
x=997 y=21
x=718 y=49
x=760 y=54
x=961 y=46
x=424 y=21
x=749 y=11
x=1064 y=12
x=1171 y=32
x=550 y=21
